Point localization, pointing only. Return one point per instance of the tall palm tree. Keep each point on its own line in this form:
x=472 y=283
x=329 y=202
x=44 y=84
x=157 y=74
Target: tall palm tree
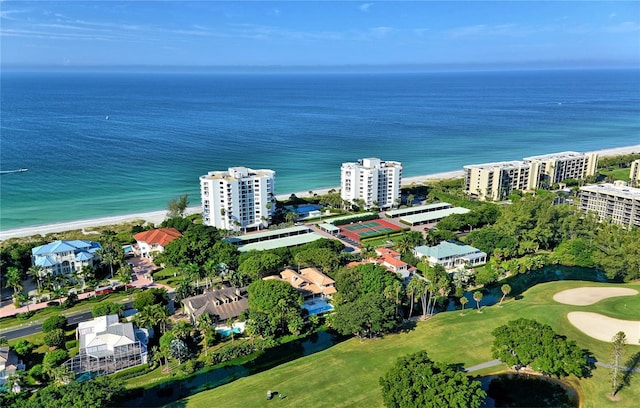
x=182 y=330
x=463 y=302
x=506 y=289
x=14 y=279
x=36 y=272
x=413 y=288
x=477 y=296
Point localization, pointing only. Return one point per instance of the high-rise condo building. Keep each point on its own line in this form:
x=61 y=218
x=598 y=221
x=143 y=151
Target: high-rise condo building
x=240 y=198
x=375 y=182
x=617 y=202
x=634 y=174
x=495 y=181
x=557 y=167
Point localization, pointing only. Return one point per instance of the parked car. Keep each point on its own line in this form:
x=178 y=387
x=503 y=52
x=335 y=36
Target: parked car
x=104 y=290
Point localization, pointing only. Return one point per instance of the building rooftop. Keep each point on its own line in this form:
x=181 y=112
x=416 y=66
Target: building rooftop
x=514 y=164
x=288 y=241
x=417 y=209
x=57 y=247
x=235 y=173
x=427 y=217
x=446 y=249
x=161 y=236
x=614 y=190
x=560 y=155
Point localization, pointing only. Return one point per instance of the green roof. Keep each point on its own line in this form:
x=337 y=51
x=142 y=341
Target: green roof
x=446 y=249
x=417 y=209
x=427 y=217
x=293 y=240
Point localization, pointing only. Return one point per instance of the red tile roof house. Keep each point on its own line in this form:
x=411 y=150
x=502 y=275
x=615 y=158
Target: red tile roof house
x=310 y=282
x=390 y=259
x=155 y=240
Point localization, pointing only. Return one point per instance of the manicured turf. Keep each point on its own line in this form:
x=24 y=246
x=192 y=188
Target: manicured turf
x=347 y=374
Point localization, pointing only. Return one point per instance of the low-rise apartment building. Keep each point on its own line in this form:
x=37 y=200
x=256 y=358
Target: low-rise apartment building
x=617 y=202
x=375 y=182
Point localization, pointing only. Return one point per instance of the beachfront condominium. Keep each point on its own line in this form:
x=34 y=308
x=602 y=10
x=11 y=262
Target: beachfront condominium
x=239 y=198
x=371 y=182
x=634 y=174
x=550 y=169
x=495 y=181
x=616 y=202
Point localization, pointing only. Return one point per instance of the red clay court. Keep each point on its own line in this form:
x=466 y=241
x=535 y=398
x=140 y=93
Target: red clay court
x=363 y=229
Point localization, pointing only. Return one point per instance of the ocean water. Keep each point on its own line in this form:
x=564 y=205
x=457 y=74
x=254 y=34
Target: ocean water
x=165 y=130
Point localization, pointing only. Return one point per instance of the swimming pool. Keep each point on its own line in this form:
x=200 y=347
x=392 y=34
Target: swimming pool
x=127 y=249
x=226 y=331
x=317 y=306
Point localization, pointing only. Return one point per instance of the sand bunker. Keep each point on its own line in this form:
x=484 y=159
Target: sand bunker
x=604 y=328
x=589 y=295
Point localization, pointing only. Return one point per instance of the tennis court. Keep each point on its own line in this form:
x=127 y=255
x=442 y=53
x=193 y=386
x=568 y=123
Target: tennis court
x=364 y=229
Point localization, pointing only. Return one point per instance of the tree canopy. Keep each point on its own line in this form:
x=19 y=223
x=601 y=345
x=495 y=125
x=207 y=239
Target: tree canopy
x=272 y=303
x=417 y=381
x=526 y=342
x=370 y=315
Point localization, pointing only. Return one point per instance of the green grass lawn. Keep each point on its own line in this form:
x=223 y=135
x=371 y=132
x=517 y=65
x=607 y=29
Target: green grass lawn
x=616 y=174
x=347 y=373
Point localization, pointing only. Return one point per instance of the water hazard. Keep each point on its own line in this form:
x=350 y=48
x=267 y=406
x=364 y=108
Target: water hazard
x=171 y=391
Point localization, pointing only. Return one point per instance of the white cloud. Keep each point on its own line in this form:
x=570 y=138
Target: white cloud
x=365 y=7
x=623 y=27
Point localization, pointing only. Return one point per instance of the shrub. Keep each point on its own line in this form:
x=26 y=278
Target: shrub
x=54 y=358
x=23 y=347
x=55 y=338
x=54 y=322
x=36 y=372
x=26 y=315
x=71 y=344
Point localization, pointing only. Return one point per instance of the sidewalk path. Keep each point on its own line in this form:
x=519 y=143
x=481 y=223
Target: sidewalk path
x=484 y=365
x=141 y=278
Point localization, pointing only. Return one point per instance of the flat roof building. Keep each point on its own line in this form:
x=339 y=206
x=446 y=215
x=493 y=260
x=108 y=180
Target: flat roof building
x=375 y=182
x=240 y=198
x=554 y=168
x=617 y=202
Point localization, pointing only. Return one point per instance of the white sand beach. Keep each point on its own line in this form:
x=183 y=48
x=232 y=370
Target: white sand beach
x=156 y=217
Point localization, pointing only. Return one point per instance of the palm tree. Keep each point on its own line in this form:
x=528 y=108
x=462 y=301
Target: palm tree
x=204 y=323
x=477 y=296
x=35 y=272
x=161 y=316
x=506 y=289
x=24 y=298
x=14 y=280
x=413 y=288
x=463 y=302
x=182 y=330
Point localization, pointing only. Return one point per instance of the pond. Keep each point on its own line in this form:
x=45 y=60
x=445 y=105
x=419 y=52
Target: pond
x=521 y=282
x=203 y=380
x=522 y=390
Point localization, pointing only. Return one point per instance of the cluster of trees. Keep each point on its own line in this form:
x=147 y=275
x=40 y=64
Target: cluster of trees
x=274 y=309
x=417 y=381
x=367 y=302
x=529 y=343
x=104 y=391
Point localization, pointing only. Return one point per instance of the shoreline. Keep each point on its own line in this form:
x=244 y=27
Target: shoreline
x=156 y=217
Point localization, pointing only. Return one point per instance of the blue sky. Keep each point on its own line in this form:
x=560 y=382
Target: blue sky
x=320 y=33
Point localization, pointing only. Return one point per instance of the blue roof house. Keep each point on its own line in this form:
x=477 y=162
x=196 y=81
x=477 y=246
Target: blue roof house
x=62 y=257
x=451 y=255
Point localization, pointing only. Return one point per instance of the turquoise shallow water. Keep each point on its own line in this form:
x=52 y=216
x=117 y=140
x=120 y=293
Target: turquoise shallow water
x=165 y=130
